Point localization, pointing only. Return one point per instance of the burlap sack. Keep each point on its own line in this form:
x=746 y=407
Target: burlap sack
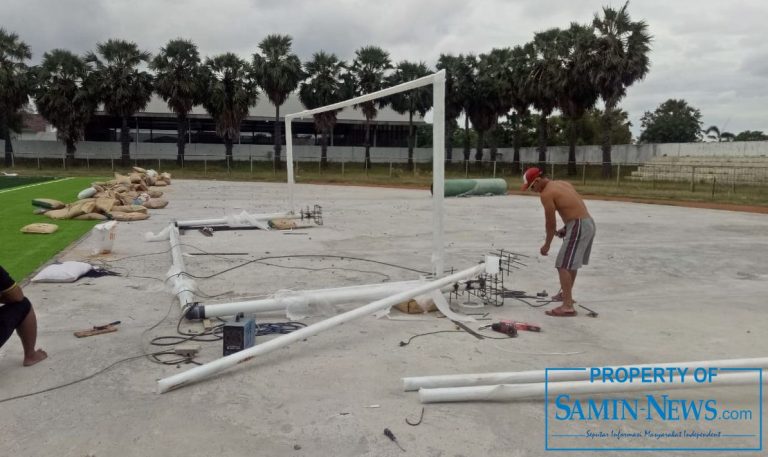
x=91 y=217
x=122 y=179
x=155 y=193
x=282 y=224
x=105 y=204
x=127 y=217
x=39 y=228
x=48 y=203
x=156 y=203
x=129 y=209
x=412 y=307
x=160 y=183
x=139 y=170
x=165 y=176
x=135 y=178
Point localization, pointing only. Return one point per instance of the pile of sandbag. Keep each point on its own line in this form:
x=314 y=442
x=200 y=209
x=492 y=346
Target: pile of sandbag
x=125 y=198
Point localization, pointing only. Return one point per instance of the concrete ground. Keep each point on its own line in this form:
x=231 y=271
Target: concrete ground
x=670 y=284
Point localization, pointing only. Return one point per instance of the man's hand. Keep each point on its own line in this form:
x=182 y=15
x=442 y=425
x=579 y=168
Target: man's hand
x=544 y=249
x=560 y=233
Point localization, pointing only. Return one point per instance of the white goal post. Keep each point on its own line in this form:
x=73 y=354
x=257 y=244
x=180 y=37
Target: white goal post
x=438 y=152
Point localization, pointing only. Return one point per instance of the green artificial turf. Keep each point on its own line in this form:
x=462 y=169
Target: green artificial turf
x=22 y=253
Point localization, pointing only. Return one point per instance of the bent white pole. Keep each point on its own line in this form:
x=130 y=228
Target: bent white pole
x=520 y=377
x=285 y=299
x=505 y=392
x=182 y=286
x=204 y=371
x=226 y=220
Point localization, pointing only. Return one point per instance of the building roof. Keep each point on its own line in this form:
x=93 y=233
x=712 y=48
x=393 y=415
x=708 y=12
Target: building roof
x=265 y=110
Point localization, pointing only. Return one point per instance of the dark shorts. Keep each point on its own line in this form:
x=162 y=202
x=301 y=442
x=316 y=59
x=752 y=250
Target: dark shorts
x=11 y=314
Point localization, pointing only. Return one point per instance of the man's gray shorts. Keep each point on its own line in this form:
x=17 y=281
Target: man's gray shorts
x=577 y=244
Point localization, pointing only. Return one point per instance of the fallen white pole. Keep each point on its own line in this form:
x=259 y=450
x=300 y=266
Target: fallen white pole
x=505 y=392
x=304 y=298
x=243 y=218
x=520 y=377
x=182 y=286
x=204 y=371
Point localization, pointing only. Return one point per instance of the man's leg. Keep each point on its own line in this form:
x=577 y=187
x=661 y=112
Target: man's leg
x=27 y=331
x=559 y=295
x=566 y=285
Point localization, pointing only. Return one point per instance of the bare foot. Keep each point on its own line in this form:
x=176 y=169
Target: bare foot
x=38 y=356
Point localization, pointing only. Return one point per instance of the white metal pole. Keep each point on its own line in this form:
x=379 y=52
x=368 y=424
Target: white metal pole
x=203 y=371
x=289 y=160
x=438 y=172
x=224 y=220
x=521 y=377
x=333 y=296
x=505 y=392
x=182 y=287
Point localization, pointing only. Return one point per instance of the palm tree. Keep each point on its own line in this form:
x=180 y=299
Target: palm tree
x=178 y=80
x=417 y=100
x=454 y=97
x=467 y=84
x=119 y=84
x=495 y=72
x=15 y=86
x=368 y=74
x=577 y=93
x=520 y=62
x=621 y=59
x=542 y=82
x=714 y=133
x=62 y=96
x=231 y=92
x=325 y=86
x=279 y=73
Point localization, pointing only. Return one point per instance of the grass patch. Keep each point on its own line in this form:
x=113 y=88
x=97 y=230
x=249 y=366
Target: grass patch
x=23 y=253
x=7 y=182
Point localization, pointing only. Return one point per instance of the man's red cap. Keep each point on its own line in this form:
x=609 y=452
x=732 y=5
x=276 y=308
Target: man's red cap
x=529 y=177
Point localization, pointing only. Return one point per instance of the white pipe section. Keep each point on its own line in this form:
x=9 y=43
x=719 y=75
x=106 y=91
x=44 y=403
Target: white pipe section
x=289 y=160
x=226 y=220
x=335 y=296
x=438 y=172
x=521 y=377
x=505 y=392
x=182 y=287
x=203 y=371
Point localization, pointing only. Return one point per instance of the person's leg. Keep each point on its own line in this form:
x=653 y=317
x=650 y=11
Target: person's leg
x=566 y=285
x=27 y=331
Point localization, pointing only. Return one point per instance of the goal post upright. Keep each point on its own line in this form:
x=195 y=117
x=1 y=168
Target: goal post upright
x=437 y=80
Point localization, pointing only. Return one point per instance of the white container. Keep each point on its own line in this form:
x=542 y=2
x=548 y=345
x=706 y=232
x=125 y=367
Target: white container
x=104 y=234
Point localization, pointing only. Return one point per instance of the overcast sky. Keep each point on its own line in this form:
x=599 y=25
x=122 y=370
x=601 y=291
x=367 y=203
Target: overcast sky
x=708 y=53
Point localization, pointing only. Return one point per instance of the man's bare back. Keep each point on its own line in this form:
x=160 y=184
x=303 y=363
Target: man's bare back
x=567 y=201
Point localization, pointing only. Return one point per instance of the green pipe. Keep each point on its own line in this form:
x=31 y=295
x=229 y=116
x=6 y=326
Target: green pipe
x=467 y=187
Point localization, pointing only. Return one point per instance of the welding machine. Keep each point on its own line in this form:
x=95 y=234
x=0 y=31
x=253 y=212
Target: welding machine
x=238 y=334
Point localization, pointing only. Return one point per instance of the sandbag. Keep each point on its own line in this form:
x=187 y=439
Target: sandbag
x=40 y=211
x=91 y=217
x=139 y=170
x=64 y=213
x=135 y=178
x=39 y=227
x=86 y=193
x=155 y=193
x=160 y=183
x=120 y=216
x=156 y=203
x=47 y=203
x=282 y=224
x=105 y=204
x=63 y=272
x=122 y=179
x=165 y=176
x=129 y=209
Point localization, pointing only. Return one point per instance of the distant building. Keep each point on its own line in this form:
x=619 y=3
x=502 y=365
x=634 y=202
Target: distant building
x=157 y=124
x=35 y=127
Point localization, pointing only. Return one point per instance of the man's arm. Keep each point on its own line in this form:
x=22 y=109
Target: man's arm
x=550 y=223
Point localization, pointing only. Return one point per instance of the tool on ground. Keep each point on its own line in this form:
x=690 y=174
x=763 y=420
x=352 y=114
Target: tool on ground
x=543 y=293
x=590 y=313
x=238 y=334
x=421 y=417
x=388 y=433
x=98 y=330
x=468 y=330
x=522 y=325
x=505 y=327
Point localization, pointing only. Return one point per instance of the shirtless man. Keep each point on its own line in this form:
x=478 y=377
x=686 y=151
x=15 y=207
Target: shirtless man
x=16 y=313
x=578 y=233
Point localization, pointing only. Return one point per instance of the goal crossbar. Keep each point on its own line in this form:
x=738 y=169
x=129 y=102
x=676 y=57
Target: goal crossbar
x=437 y=80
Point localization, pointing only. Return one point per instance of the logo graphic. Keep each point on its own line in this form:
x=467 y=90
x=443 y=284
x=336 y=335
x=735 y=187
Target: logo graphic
x=664 y=408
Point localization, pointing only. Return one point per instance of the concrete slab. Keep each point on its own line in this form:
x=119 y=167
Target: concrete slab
x=670 y=284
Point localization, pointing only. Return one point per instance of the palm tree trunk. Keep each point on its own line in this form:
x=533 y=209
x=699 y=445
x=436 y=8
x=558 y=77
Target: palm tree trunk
x=228 y=146
x=449 y=141
x=494 y=146
x=324 y=149
x=609 y=106
x=125 y=143
x=479 y=149
x=543 y=141
x=466 y=138
x=278 y=139
x=572 y=137
x=410 y=140
x=71 y=148
x=516 y=145
x=181 y=134
x=6 y=132
x=367 y=141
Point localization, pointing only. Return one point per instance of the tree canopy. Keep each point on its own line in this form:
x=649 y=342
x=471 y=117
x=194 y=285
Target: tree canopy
x=674 y=121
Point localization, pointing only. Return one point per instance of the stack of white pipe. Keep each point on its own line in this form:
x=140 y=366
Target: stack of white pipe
x=523 y=385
